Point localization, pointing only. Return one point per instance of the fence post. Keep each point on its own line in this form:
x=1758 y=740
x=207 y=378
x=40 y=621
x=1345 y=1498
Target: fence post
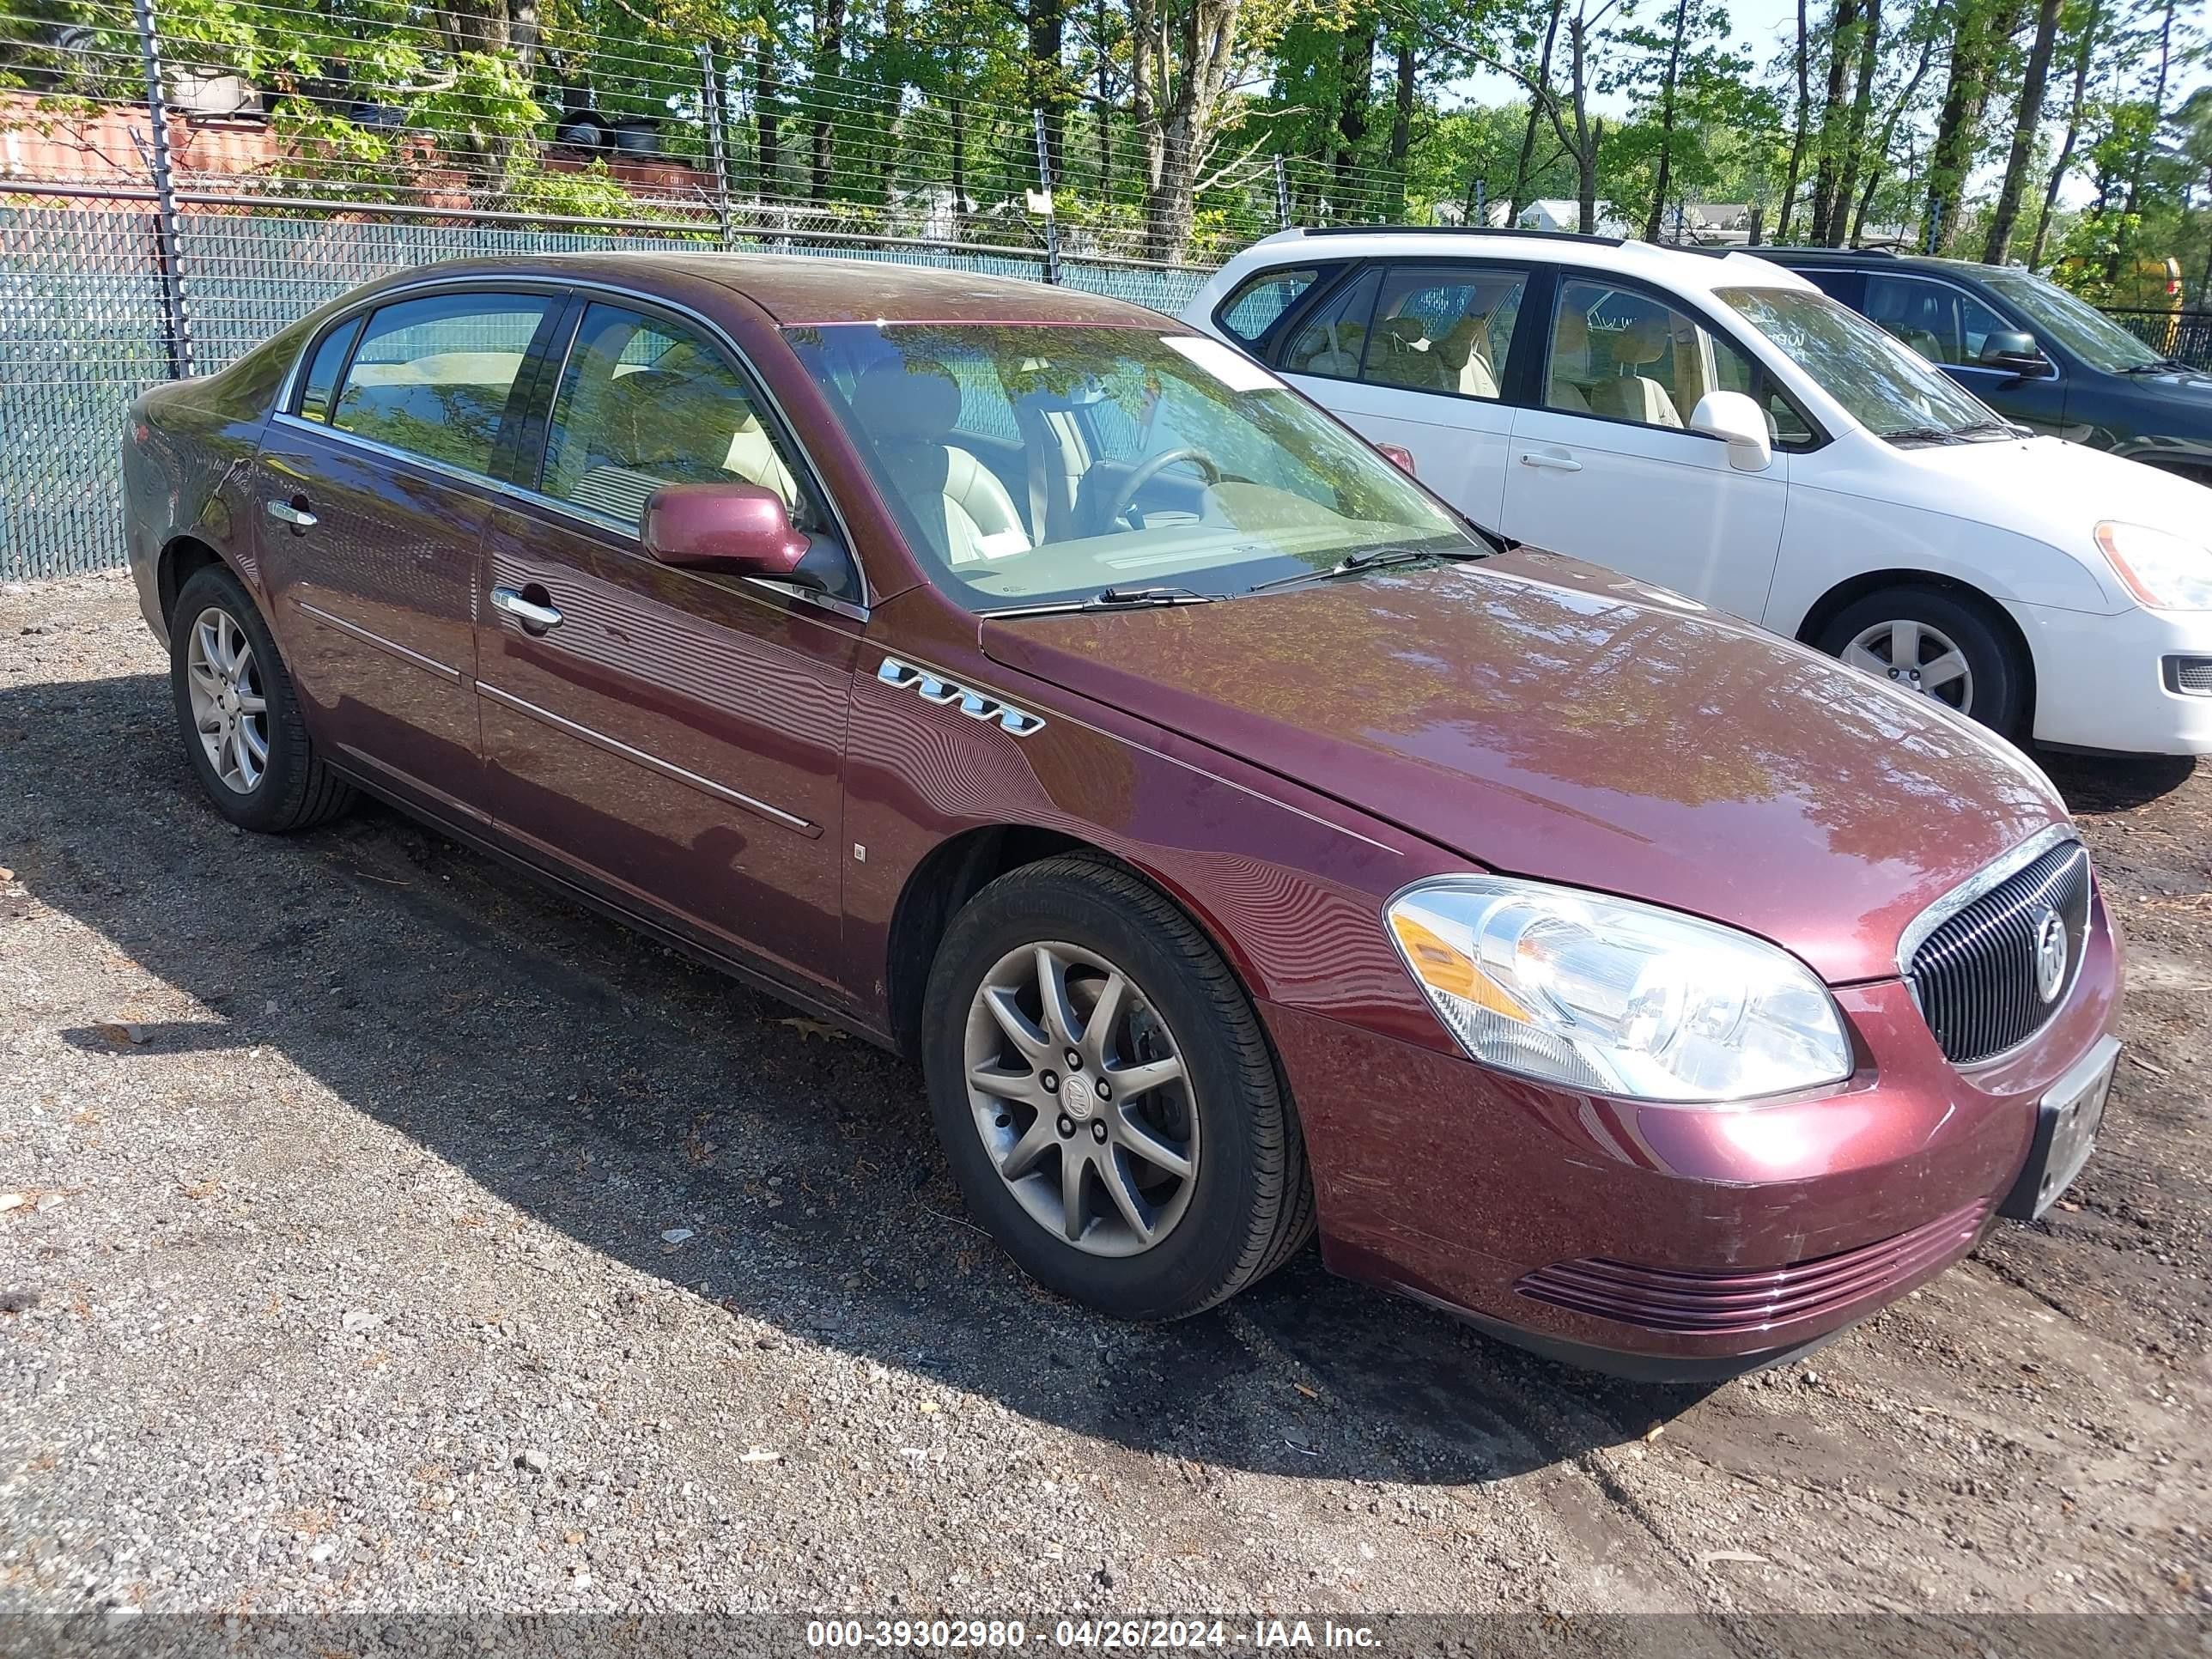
x=167 y=228
x=1044 y=187
x=1282 y=193
x=710 y=91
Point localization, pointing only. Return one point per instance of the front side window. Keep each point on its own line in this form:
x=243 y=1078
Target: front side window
x=1619 y=353
x=1249 y=314
x=1880 y=382
x=2053 y=313
x=1444 y=328
x=1144 y=459
x=432 y=376
x=1943 y=324
x=644 y=402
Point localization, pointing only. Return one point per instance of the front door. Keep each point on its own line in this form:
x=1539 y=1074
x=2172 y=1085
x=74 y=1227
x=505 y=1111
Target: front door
x=1608 y=470
x=674 y=736
x=1947 y=326
x=372 y=503
x=1419 y=355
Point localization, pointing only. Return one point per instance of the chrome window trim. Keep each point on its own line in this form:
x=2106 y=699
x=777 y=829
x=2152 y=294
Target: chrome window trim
x=1993 y=875
x=497 y=282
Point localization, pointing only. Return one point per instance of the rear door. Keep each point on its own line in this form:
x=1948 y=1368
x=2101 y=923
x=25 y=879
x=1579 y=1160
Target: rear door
x=1605 y=467
x=674 y=737
x=371 y=482
x=1424 y=355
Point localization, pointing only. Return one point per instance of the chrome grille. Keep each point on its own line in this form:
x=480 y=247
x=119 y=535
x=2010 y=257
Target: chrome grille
x=1975 y=975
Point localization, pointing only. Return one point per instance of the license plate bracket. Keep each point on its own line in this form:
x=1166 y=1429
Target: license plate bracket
x=2066 y=1123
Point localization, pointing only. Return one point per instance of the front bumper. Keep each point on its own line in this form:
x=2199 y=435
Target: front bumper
x=2101 y=682
x=1664 y=1241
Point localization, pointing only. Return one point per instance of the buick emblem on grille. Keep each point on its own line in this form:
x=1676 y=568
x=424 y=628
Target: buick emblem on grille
x=2050 y=955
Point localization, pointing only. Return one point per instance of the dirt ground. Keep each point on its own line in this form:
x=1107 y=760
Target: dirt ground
x=391 y=1235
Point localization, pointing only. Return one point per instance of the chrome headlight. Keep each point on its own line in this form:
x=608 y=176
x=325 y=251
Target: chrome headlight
x=2164 y=571
x=1615 y=997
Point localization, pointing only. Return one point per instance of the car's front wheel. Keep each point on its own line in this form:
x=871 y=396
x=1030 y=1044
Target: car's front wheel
x=1945 y=646
x=238 y=714
x=1105 y=1095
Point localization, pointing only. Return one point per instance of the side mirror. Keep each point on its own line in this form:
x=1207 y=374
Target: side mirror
x=742 y=529
x=2016 y=353
x=1739 y=423
x=1400 y=457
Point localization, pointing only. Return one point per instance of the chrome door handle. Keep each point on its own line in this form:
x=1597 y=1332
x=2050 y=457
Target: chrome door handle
x=534 y=618
x=1557 y=463
x=297 y=517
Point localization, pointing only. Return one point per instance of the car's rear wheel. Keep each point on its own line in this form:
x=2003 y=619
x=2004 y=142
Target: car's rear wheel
x=1945 y=646
x=1105 y=1095
x=238 y=714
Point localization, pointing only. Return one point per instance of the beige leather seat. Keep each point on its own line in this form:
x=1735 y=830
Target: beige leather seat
x=1570 y=365
x=1632 y=397
x=910 y=410
x=1464 y=352
x=1399 y=355
x=686 y=420
x=1331 y=349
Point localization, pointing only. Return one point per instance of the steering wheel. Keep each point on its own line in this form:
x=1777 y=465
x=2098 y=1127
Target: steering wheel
x=1150 y=470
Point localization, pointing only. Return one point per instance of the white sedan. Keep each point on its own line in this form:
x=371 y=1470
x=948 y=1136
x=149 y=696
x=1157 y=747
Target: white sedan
x=1715 y=424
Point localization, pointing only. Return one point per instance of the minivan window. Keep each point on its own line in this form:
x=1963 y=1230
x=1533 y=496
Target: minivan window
x=2055 y=314
x=1440 y=328
x=1618 y=353
x=432 y=376
x=1146 y=459
x=1254 y=308
x=644 y=403
x=1883 y=384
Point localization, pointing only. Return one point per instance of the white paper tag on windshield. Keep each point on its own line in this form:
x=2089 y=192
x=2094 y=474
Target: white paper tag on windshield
x=1227 y=365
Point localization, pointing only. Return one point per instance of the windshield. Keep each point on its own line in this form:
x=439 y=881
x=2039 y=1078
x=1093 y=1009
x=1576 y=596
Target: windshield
x=1888 y=389
x=2083 y=330
x=1034 y=465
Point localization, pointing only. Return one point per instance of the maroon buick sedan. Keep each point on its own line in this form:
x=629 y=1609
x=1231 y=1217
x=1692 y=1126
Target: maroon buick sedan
x=1242 y=844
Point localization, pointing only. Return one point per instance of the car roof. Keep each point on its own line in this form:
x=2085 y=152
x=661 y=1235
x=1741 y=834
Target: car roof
x=1882 y=259
x=796 y=289
x=1692 y=271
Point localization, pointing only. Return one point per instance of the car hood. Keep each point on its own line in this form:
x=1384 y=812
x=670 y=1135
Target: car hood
x=1546 y=719
x=2048 y=489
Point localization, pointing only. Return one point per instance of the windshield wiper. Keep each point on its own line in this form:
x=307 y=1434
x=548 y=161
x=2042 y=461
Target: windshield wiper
x=1373 y=558
x=1112 y=599
x=2163 y=365
x=2007 y=429
x=1922 y=435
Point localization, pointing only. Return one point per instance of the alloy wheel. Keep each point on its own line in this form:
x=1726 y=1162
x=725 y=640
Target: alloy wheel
x=229 y=706
x=1080 y=1095
x=1916 y=657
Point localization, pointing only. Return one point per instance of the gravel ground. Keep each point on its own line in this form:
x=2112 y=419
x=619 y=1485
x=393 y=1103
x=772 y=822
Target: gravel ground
x=386 y=1234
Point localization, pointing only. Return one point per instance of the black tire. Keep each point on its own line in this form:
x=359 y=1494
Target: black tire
x=295 y=790
x=2002 y=679
x=1251 y=1205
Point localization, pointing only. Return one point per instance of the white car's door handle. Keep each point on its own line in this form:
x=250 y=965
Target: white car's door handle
x=535 y=618
x=1556 y=462
x=297 y=517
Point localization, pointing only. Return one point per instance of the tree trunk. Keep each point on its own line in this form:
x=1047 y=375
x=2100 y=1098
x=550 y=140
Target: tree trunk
x=1520 y=198
x=1843 y=36
x=1651 y=225
x=828 y=62
x=956 y=118
x=1855 y=129
x=1984 y=26
x=1105 y=110
x=1804 y=122
x=2083 y=54
x=1401 y=119
x=1354 y=89
x=2026 y=121
x=1587 y=133
x=1878 y=162
x=1047 y=88
x=2139 y=163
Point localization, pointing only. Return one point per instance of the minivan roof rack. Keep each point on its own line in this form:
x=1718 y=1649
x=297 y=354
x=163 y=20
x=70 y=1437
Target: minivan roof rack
x=1463 y=230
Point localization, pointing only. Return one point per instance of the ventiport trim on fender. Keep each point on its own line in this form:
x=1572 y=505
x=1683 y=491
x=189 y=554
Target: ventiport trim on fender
x=976 y=705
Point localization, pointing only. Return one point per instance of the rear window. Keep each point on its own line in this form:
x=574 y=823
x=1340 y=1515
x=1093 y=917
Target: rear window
x=432 y=376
